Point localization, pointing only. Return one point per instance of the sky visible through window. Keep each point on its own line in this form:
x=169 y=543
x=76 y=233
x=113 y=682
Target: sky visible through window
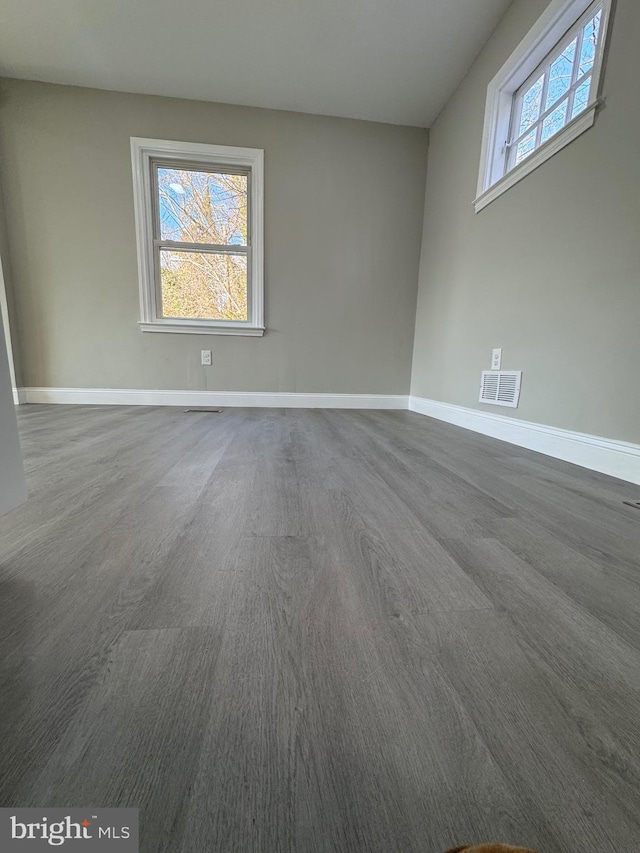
x=558 y=95
x=208 y=279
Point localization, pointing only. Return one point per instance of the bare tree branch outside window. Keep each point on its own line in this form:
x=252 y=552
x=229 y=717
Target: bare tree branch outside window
x=207 y=208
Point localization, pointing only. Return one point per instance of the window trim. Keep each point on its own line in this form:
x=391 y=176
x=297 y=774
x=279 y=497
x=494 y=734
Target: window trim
x=542 y=40
x=145 y=154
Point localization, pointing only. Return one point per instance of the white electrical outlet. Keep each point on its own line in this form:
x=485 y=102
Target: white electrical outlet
x=496 y=359
x=205 y=356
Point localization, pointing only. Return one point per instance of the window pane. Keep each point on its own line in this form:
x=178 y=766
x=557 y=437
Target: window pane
x=203 y=286
x=554 y=122
x=202 y=207
x=581 y=98
x=525 y=147
x=589 y=44
x=560 y=74
x=531 y=105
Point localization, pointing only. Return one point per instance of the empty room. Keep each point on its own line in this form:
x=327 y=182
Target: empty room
x=320 y=426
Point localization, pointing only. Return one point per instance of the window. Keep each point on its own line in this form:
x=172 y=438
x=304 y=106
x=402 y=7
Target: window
x=545 y=95
x=199 y=225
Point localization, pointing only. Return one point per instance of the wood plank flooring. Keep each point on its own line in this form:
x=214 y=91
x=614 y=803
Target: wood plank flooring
x=319 y=632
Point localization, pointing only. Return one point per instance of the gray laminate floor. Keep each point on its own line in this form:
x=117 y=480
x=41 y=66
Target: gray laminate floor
x=319 y=631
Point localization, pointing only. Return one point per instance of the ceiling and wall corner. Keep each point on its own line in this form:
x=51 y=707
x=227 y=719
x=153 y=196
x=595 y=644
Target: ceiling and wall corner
x=374 y=60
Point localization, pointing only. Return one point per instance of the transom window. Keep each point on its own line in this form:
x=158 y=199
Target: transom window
x=556 y=92
x=545 y=95
x=199 y=224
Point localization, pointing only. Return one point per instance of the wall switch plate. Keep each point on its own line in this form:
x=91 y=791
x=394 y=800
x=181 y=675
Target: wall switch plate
x=205 y=356
x=496 y=359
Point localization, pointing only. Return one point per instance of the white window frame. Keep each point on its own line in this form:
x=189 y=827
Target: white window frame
x=144 y=153
x=540 y=44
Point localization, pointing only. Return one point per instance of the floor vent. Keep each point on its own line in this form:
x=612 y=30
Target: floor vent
x=501 y=387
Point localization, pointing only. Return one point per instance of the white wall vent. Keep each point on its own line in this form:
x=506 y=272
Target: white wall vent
x=501 y=387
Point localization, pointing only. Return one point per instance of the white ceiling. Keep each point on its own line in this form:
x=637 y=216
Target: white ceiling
x=385 y=60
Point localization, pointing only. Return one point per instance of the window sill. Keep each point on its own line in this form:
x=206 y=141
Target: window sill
x=542 y=154
x=187 y=328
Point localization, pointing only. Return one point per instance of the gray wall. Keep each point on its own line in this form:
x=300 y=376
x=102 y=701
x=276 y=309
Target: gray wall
x=344 y=207
x=550 y=271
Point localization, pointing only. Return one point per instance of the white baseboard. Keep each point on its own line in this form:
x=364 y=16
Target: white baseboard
x=616 y=458
x=133 y=397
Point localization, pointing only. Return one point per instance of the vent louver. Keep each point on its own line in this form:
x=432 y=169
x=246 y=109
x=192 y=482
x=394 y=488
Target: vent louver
x=501 y=387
